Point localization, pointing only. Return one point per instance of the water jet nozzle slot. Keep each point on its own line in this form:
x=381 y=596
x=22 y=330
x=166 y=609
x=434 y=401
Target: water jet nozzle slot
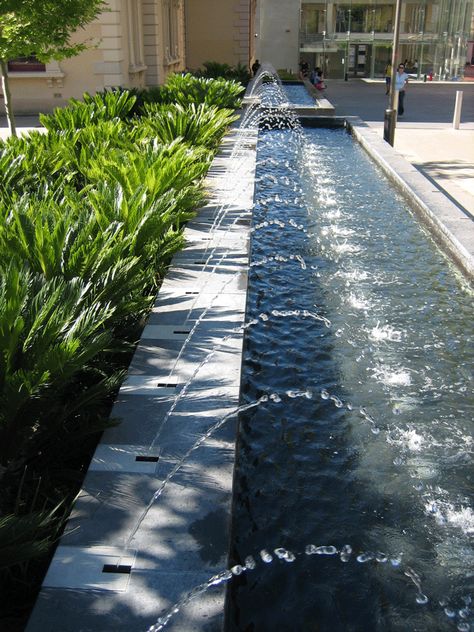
x=167 y=384
x=123 y=569
x=143 y=458
x=181 y=331
x=191 y=292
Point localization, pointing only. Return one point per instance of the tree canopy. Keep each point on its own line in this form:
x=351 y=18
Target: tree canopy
x=43 y=28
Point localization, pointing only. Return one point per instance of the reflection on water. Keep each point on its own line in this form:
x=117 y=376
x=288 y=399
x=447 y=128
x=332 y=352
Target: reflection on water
x=364 y=337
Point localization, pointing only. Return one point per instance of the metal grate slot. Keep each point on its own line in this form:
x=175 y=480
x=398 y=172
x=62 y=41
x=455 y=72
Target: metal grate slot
x=143 y=458
x=123 y=569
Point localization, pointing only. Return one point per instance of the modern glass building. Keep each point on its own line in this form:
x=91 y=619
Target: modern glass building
x=355 y=39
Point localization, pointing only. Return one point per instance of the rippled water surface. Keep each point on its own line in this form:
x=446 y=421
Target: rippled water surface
x=297 y=94
x=358 y=469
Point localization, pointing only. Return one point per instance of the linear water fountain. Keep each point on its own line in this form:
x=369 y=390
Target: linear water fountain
x=352 y=494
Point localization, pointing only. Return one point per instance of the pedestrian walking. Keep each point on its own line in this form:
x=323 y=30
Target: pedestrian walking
x=401 y=81
x=255 y=67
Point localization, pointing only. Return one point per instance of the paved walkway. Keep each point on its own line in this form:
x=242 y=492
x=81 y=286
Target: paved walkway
x=425 y=136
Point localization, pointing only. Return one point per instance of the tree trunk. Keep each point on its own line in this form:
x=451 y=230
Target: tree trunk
x=8 y=97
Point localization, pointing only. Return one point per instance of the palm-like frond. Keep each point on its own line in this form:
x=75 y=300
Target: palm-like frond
x=202 y=125
x=23 y=538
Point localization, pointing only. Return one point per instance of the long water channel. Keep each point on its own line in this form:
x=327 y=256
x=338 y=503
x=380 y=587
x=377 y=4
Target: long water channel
x=353 y=487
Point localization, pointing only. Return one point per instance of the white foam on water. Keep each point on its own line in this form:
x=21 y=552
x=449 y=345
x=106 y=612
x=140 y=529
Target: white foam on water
x=392 y=377
x=358 y=301
x=381 y=333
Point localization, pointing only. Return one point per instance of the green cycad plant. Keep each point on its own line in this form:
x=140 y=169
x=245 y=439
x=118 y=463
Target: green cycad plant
x=201 y=125
x=50 y=334
x=63 y=238
x=25 y=537
x=103 y=106
x=156 y=166
x=186 y=89
x=30 y=163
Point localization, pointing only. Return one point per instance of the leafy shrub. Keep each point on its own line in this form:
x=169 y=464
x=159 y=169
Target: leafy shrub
x=200 y=125
x=186 y=89
x=214 y=70
x=103 y=106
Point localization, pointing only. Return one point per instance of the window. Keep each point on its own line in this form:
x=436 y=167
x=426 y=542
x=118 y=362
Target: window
x=171 y=30
x=26 y=64
x=135 y=35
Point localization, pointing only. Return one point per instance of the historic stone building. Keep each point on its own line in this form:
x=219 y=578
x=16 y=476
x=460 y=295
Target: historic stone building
x=137 y=43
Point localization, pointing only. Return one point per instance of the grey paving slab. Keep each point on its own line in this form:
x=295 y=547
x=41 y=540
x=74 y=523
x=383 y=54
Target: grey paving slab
x=207 y=330
x=170 y=536
x=175 y=307
x=62 y=610
x=83 y=567
x=201 y=364
x=192 y=278
x=193 y=413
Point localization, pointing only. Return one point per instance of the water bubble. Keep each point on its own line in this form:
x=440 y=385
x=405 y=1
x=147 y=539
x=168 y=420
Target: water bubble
x=421 y=598
x=464 y=627
x=467 y=599
x=283 y=554
x=396 y=561
x=308 y=394
x=237 y=569
x=375 y=430
x=263 y=316
x=324 y=394
x=266 y=556
x=398 y=460
x=250 y=563
x=381 y=557
x=365 y=557
x=349 y=406
x=464 y=613
x=346 y=552
x=418 y=486
x=443 y=602
x=449 y=612
x=275 y=397
x=321 y=550
x=292 y=394
x=337 y=402
x=263 y=399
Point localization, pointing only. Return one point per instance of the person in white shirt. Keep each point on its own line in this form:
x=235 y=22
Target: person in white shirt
x=401 y=81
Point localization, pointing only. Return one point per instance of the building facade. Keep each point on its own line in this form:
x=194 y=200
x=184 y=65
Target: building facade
x=350 y=39
x=137 y=44
x=134 y=43
x=219 y=31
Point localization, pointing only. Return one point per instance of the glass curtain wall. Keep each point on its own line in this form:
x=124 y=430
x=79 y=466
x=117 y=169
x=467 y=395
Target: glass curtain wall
x=354 y=39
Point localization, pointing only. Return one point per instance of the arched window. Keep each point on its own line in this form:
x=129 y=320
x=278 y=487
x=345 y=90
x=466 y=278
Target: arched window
x=171 y=30
x=135 y=34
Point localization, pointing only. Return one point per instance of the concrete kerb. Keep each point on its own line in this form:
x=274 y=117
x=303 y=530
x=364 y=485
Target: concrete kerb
x=452 y=229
